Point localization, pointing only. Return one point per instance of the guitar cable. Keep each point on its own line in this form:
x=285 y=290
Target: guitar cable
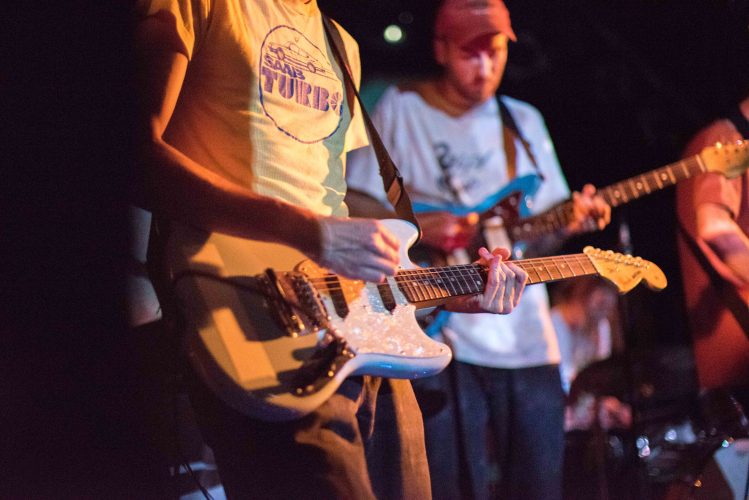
x=179 y=458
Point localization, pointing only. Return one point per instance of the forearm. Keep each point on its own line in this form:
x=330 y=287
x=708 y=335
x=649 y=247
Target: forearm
x=733 y=250
x=176 y=187
x=726 y=239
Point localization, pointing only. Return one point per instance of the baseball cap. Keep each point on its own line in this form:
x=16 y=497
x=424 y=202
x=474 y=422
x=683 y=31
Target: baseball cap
x=463 y=20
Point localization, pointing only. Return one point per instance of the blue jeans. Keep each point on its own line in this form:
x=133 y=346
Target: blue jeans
x=475 y=416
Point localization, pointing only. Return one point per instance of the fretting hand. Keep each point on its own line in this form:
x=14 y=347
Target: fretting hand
x=504 y=286
x=589 y=211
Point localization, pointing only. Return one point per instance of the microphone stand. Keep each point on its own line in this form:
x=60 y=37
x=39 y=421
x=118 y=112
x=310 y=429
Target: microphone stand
x=629 y=342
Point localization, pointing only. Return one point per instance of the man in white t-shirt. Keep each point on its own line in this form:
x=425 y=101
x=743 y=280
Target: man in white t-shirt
x=245 y=128
x=446 y=136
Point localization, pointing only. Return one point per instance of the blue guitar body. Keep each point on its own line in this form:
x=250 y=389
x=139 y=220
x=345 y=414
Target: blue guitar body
x=522 y=188
x=500 y=211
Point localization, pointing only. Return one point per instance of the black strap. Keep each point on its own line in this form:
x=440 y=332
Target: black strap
x=509 y=124
x=391 y=177
x=727 y=292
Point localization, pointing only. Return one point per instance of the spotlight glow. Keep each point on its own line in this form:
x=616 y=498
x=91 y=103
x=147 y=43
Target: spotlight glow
x=393 y=34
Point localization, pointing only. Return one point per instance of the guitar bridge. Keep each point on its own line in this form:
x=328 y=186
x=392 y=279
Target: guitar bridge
x=296 y=303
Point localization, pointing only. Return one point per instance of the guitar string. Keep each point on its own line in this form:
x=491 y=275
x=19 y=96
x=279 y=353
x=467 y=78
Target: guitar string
x=465 y=270
x=544 y=222
x=333 y=282
x=542 y=261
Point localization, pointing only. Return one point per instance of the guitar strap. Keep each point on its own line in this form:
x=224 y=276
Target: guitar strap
x=391 y=177
x=726 y=291
x=510 y=132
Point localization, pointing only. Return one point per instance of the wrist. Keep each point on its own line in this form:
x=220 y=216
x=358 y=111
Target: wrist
x=301 y=229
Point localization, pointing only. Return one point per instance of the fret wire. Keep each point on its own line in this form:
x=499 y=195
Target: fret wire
x=694 y=165
x=700 y=163
x=621 y=192
x=685 y=168
x=569 y=266
x=449 y=281
x=677 y=172
x=645 y=183
x=461 y=279
x=426 y=289
x=657 y=176
x=434 y=287
x=445 y=291
x=418 y=290
x=664 y=176
x=635 y=192
x=564 y=266
x=556 y=266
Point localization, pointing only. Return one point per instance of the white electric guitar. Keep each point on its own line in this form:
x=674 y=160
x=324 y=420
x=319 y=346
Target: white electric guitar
x=274 y=335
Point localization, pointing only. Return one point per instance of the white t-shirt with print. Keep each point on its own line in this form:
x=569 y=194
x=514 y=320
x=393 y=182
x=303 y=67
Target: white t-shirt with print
x=424 y=143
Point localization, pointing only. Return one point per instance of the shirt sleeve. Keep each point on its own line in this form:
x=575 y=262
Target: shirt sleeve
x=186 y=19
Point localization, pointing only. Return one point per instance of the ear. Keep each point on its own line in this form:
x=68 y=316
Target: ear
x=440 y=48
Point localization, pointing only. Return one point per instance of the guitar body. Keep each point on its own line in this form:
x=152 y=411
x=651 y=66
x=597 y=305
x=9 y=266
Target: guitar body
x=497 y=214
x=276 y=345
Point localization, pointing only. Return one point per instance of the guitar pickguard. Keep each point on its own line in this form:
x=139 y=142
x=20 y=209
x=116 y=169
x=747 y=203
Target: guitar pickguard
x=370 y=328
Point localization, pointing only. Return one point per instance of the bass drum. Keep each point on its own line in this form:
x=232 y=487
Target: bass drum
x=725 y=476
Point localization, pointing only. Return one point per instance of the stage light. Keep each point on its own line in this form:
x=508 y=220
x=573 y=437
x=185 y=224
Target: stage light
x=394 y=34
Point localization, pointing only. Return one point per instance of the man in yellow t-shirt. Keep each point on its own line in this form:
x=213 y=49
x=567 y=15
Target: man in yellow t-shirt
x=245 y=129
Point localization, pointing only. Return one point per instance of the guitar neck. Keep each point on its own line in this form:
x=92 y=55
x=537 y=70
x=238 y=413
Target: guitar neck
x=649 y=182
x=435 y=285
x=616 y=194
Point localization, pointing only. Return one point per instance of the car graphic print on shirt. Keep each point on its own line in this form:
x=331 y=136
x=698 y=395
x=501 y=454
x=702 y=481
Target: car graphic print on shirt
x=298 y=88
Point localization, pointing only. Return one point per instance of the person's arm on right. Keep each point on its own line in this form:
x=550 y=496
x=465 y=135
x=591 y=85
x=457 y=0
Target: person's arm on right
x=179 y=188
x=717 y=200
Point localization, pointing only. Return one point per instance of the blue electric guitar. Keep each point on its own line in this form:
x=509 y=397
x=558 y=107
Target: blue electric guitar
x=506 y=217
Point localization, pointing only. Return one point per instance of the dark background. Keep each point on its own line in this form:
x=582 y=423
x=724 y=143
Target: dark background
x=621 y=84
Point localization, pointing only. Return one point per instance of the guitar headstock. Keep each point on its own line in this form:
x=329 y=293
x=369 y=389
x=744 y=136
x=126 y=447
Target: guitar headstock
x=626 y=271
x=730 y=159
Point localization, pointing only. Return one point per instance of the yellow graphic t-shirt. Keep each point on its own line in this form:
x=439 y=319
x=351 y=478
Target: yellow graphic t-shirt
x=263 y=103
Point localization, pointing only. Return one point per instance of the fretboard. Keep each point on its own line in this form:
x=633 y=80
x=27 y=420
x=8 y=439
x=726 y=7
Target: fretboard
x=617 y=194
x=433 y=284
